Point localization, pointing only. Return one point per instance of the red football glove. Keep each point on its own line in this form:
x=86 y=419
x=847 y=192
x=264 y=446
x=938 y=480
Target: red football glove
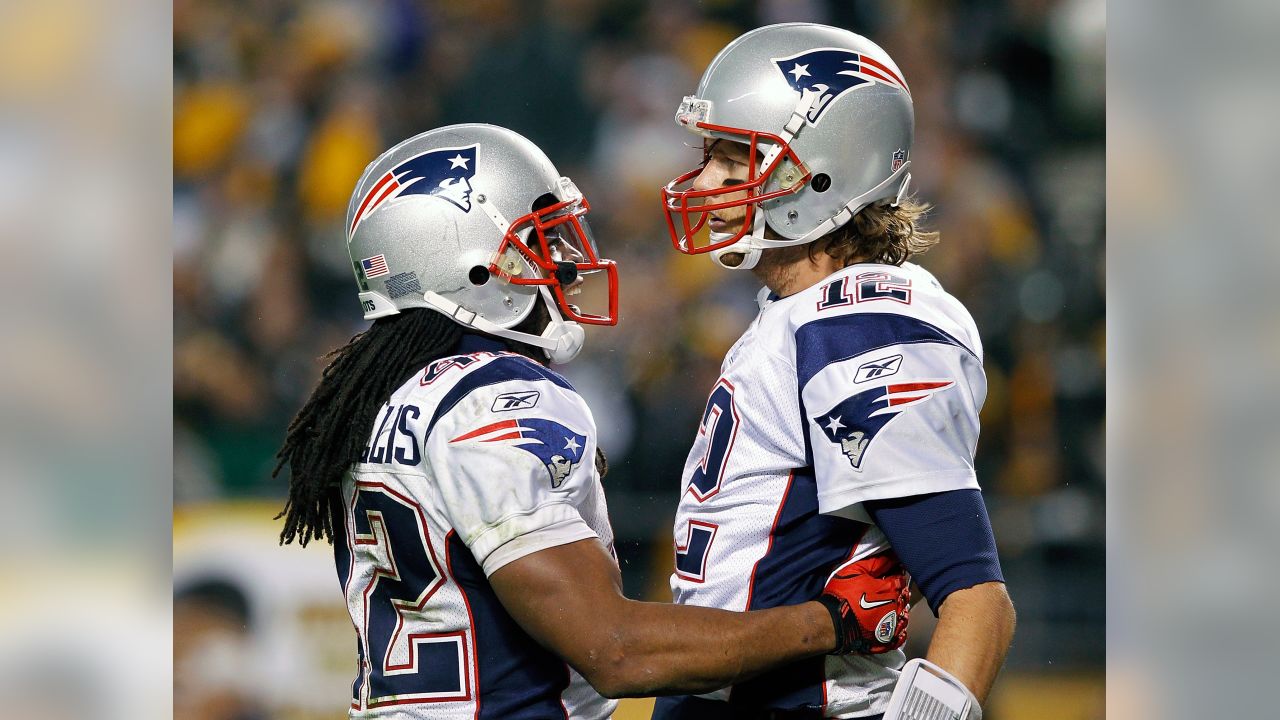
x=869 y=601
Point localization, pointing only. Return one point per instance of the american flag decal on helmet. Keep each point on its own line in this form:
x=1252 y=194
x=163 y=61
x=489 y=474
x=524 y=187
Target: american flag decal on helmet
x=375 y=266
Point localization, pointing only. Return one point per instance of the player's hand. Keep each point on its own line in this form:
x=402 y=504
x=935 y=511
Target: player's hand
x=869 y=601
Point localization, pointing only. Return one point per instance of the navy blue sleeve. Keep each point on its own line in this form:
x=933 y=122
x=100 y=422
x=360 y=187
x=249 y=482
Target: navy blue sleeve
x=943 y=539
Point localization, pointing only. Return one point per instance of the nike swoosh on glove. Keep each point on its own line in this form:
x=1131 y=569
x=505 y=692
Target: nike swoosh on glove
x=869 y=601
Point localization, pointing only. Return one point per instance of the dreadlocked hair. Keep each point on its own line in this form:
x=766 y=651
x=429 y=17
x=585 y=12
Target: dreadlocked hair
x=329 y=432
x=888 y=234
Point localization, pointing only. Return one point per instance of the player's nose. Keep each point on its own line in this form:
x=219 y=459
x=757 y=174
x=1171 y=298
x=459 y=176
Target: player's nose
x=711 y=177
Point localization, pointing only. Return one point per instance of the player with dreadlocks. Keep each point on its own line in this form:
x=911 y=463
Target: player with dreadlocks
x=443 y=459
x=328 y=432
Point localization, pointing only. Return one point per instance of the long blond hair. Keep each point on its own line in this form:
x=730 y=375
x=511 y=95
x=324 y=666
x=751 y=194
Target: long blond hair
x=888 y=234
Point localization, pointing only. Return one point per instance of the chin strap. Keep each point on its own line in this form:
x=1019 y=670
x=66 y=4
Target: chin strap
x=847 y=212
x=753 y=243
x=742 y=249
x=562 y=340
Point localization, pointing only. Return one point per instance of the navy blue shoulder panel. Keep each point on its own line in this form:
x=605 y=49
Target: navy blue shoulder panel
x=832 y=339
x=943 y=539
x=500 y=369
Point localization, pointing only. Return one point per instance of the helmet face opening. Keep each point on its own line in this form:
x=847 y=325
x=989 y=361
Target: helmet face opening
x=688 y=210
x=556 y=241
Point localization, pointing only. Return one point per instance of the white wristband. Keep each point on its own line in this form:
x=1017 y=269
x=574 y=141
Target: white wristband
x=927 y=692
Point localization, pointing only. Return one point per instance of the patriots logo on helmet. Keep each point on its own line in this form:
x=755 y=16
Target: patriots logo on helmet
x=831 y=72
x=853 y=423
x=559 y=448
x=444 y=173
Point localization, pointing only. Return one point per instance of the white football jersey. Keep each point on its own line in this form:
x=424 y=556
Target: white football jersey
x=477 y=461
x=865 y=386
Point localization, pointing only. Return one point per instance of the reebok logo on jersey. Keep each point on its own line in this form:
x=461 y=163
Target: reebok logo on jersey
x=522 y=400
x=875 y=369
x=559 y=448
x=853 y=423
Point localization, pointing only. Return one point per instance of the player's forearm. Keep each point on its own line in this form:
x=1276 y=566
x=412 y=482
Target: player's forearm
x=669 y=649
x=975 y=628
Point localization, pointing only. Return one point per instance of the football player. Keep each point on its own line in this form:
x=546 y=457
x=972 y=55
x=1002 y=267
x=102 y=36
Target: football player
x=845 y=419
x=458 y=477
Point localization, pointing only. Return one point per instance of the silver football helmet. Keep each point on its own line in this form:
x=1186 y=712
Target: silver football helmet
x=474 y=221
x=829 y=122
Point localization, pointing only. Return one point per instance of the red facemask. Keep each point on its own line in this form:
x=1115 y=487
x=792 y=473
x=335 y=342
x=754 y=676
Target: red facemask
x=559 y=244
x=687 y=210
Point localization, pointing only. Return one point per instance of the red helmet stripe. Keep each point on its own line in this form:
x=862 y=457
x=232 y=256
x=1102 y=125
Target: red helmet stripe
x=369 y=197
x=881 y=66
x=872 y=73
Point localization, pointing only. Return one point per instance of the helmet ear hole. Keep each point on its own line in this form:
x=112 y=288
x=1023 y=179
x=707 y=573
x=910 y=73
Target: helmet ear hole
x=821 y=182
x=543 y=201
x=478 y=275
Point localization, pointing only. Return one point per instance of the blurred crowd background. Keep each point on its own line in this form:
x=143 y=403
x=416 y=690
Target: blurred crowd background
x=278 y=107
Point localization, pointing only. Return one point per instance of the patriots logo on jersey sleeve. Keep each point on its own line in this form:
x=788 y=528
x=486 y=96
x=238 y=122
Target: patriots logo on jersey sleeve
x=853 y=423
x=559 y=448
x=831 y=72
x=445 y=173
